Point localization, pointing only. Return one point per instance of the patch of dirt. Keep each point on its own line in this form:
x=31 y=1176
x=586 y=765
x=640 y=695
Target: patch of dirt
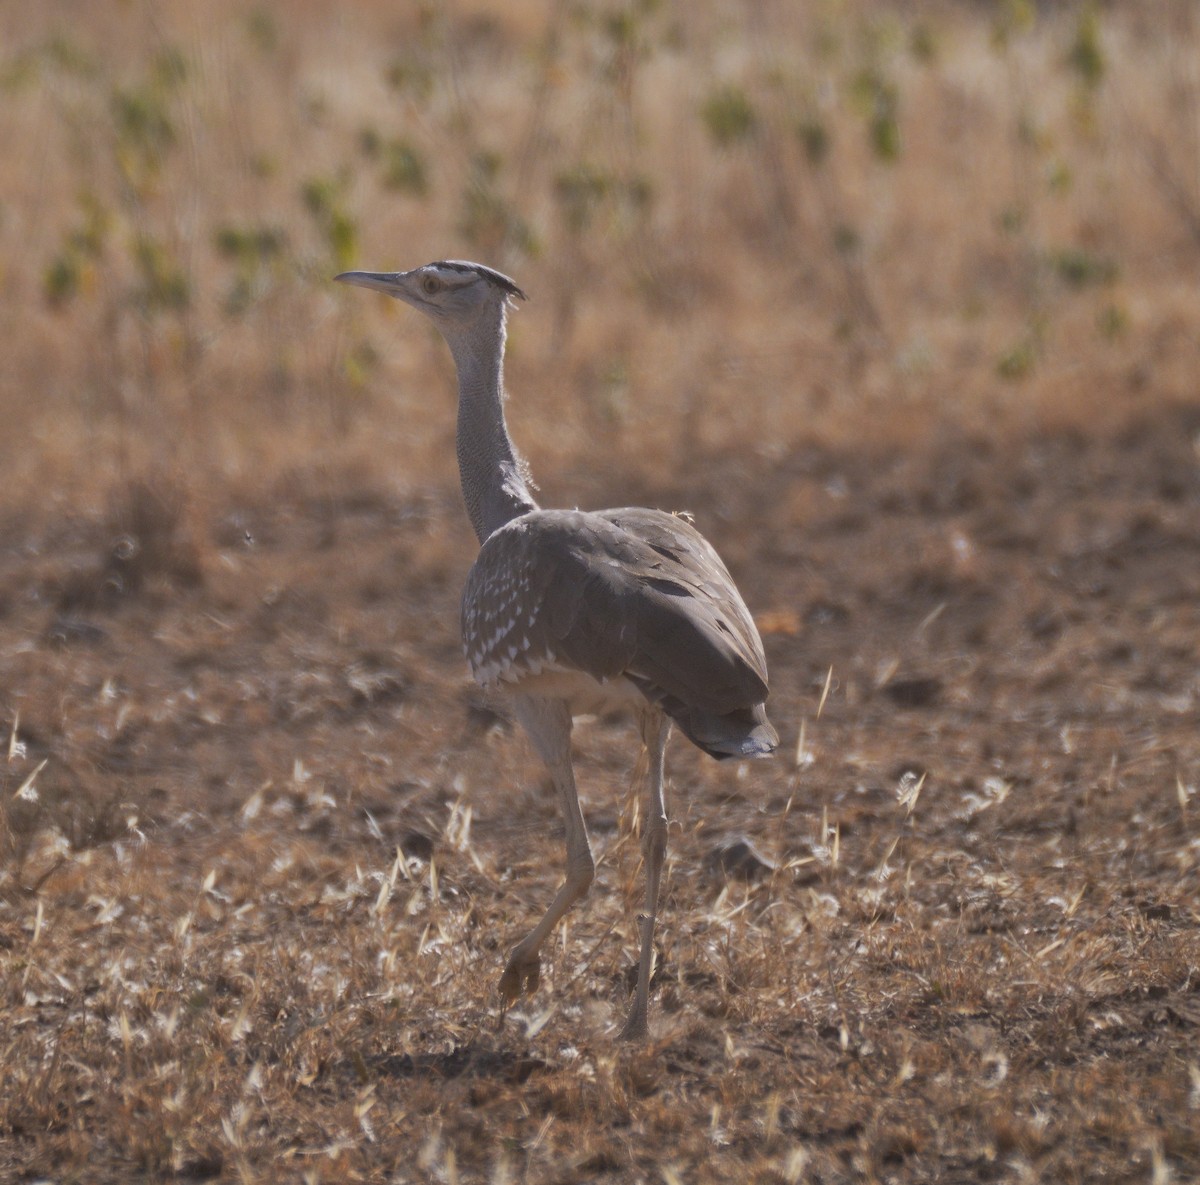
x=969 y=945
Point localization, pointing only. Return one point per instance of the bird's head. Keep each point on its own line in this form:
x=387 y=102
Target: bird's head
x=456 y=296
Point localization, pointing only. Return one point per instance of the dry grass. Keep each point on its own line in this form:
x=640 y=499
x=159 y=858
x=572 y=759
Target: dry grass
x=916 y=343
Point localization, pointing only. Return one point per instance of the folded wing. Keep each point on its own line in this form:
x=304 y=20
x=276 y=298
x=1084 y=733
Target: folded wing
x=634 y=593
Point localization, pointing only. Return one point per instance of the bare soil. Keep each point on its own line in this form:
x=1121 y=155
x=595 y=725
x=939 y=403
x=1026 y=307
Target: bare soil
x=265 y=847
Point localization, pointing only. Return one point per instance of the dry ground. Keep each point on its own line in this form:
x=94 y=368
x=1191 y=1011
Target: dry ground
x=217 y=966
x=262 y=847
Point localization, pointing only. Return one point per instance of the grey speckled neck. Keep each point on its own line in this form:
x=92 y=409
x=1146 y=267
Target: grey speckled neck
x=492 y=473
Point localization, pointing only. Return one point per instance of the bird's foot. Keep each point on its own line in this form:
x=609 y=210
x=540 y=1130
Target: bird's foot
x=636 y=1027
x=520 y=977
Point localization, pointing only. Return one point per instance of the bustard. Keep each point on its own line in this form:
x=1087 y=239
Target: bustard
x=570 y=611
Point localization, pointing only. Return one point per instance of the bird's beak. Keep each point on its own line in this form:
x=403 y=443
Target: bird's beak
x=389 y=282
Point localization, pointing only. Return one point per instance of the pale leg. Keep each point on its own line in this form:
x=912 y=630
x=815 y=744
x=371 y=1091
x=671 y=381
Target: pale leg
x=548 y=723
x=656 y=728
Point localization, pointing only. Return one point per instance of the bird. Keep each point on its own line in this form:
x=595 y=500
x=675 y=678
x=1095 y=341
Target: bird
x=566 y=612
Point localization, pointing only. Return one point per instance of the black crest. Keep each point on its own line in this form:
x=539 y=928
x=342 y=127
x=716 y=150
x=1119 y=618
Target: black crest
x=494 y=277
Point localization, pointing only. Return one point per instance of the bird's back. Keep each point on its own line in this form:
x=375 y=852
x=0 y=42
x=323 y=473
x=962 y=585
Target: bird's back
x=629 y=598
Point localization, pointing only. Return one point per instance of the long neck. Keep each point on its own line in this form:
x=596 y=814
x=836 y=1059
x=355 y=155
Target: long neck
x=493 y=482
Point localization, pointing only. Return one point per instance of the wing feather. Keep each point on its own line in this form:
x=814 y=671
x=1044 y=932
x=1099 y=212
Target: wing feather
x=622 y=592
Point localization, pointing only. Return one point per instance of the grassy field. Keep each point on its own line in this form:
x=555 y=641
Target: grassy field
x=900 y=302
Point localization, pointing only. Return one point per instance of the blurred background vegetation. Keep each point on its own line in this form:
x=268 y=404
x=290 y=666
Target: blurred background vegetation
x=743 y=226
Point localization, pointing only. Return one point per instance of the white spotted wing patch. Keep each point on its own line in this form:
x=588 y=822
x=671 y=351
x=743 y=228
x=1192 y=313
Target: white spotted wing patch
x=504 y=633
x=634 y=595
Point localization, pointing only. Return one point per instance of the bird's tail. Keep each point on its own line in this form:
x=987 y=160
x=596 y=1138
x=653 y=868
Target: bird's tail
x=744 y=733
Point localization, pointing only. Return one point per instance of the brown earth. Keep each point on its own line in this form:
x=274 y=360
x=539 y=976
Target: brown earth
x=898 y=300
x=257 y=895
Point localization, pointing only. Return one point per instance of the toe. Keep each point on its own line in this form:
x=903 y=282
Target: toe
x=636 y=1028
x=521 y=977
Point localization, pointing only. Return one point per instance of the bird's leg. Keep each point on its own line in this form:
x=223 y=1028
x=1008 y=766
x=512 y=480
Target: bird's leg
x=656 y=728
x=548 y=723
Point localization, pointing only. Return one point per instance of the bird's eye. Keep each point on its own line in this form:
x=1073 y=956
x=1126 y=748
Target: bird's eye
x=431 y=284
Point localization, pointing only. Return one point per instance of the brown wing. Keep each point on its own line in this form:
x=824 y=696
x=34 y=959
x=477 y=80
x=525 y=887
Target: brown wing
x=533 y=601
x=703 y=618
x=633 y=592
